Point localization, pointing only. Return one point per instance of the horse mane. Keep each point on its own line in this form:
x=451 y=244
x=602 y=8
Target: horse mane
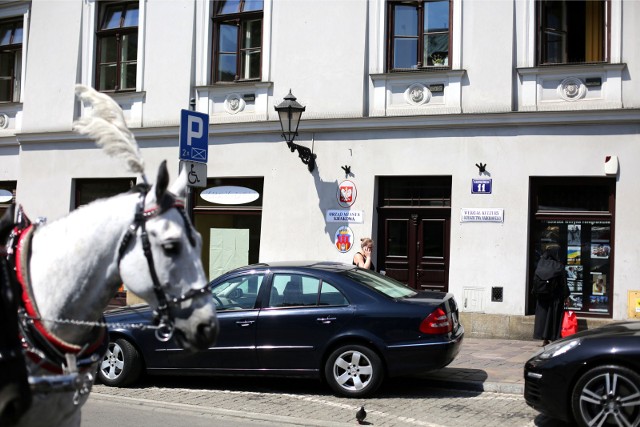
x=106 y=125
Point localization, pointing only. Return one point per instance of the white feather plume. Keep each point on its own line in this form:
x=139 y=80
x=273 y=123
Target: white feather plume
x=106 y=125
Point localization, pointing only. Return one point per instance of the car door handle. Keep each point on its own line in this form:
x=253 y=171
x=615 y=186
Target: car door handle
x=325 y=320
x=245 y=323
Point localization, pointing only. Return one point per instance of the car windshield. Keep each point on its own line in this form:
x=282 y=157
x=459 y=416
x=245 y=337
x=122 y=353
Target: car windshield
x=386 y=285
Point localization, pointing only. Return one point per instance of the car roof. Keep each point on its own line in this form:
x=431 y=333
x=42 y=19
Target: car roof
x=316 y=265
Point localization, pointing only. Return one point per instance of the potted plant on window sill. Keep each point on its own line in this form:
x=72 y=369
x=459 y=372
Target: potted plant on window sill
x=439 y=59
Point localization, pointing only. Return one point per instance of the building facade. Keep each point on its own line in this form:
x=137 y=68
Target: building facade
x=462 y=136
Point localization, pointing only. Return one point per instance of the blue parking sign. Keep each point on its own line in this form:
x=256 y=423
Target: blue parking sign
x=194 y=136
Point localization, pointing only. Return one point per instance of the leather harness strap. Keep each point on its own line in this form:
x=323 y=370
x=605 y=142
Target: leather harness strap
x=53 y=347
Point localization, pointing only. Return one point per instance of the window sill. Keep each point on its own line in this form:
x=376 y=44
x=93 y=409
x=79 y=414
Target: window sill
x=10 y=117
x=240 y=101
x=131 y=104
x=569 y=68
x=570 y=87
x=417 y=92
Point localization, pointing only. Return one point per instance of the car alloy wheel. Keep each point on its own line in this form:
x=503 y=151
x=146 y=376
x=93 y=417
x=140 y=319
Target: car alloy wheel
x=607 y=396
x=121 y=365
x=354 y=371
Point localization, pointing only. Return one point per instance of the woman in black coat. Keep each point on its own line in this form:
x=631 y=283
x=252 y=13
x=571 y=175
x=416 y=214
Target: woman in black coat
x=550 y=307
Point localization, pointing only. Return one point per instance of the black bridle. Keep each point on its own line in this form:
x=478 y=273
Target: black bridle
x=162 y=315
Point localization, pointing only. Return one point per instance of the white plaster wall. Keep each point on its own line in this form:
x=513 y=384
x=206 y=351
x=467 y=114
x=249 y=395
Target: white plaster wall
x=318 y=51
x=168 y=62
x=487 y=55
x=52 y=65
x=9 y=161
x=483 y=255
x=630 y=54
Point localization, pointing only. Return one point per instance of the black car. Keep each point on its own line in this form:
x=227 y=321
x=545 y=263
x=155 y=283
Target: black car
x=592 y=377
x=348 y=326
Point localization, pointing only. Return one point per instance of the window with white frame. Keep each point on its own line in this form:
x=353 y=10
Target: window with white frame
x=419 y=34
x=11 y=33
x=117 y=46
x=572 y=31
x=237 y=45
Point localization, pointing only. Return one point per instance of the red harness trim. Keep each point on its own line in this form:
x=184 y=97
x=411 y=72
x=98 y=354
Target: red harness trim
x=30 y=305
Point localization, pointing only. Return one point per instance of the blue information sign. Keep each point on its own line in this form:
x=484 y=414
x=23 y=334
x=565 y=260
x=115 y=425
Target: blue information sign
x=194 y=136
x=481 y=186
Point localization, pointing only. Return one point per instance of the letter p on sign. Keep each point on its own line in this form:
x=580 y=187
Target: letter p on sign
x=194 y=128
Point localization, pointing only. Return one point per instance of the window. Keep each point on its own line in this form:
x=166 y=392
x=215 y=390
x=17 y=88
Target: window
x=572 y=31
x=88 y=190
x=419 y=34
x=238 y=293
x=237 y=40
x=117 y=50
x=10 y=59
x=293 y=290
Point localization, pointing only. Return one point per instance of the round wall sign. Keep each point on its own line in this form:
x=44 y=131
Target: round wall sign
x=5 y=196
x=229 y=195
x=347 y=193
x=344 y=239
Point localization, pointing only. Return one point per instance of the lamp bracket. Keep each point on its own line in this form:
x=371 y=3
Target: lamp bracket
x=305 y=154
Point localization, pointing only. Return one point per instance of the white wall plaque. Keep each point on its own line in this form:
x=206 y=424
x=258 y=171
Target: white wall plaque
x=481 y=215
x=345 y=216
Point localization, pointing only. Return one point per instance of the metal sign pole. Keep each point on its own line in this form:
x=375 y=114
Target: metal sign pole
x=188 y=205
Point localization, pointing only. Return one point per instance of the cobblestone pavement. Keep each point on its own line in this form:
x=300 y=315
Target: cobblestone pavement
x=406 y=402
x=482 y=387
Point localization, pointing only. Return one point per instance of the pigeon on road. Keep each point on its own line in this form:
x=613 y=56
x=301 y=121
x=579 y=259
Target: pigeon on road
x=361 y=415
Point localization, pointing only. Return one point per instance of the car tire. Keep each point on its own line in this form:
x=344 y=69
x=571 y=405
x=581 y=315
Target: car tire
x=354 y=371
x=601 y=392
x=121 y=365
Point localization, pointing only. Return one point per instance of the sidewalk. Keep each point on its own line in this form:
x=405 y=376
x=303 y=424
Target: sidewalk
x=486 y=364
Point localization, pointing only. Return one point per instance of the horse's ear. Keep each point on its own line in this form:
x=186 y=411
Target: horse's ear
x=162 y=181
x=179 y=187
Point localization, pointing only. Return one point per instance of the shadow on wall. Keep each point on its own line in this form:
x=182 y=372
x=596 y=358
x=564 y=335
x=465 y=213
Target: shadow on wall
x=327 y=192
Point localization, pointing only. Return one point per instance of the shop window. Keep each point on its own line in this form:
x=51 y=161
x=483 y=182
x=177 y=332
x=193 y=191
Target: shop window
x=7 y=195
x=579 y=216
x=237 y=28
x=572 y=31
x=419 y=34
x=117 y=50
x=88 y=190
x=228 y=216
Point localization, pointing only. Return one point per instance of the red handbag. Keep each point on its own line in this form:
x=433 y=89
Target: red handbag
x=569 y=324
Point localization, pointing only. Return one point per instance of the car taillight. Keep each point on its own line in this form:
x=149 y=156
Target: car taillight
x=436 y=323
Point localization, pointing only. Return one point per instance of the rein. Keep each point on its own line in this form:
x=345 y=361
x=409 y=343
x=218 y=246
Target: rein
x=163 y=318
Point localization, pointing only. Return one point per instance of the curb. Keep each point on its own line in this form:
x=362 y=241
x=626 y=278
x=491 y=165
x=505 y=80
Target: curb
x=477 y=386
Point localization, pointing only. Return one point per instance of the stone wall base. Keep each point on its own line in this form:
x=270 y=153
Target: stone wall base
x=482 y=325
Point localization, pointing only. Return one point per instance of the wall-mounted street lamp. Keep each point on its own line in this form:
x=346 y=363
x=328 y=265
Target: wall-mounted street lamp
x=290 y=112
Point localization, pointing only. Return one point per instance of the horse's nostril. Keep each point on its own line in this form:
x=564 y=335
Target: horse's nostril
x=207 y=333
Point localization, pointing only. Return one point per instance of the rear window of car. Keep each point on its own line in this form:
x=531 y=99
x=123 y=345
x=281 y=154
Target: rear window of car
x=383 y=284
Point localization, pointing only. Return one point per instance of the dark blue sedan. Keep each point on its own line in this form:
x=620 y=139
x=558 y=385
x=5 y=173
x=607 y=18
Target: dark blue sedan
x=348 y=326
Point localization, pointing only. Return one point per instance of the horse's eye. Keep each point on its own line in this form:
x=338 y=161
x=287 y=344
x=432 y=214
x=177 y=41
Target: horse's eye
x=171 y=248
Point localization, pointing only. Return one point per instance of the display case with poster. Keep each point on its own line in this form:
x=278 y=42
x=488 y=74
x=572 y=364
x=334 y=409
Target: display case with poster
x=588 y=253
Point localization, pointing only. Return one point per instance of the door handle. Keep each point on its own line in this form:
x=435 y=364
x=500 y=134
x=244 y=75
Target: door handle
x=245 y=323
x=325 y=320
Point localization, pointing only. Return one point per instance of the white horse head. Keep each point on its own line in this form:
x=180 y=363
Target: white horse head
x=175 y=248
